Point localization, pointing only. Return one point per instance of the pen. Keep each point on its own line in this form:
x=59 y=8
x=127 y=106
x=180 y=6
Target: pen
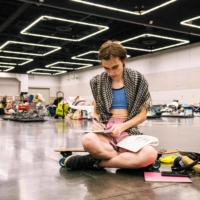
x=96 y=120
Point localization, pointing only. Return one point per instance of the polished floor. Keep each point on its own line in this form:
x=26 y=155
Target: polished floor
x=29 y=168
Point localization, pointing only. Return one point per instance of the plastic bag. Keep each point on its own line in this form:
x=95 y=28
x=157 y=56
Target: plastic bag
x=76 y=115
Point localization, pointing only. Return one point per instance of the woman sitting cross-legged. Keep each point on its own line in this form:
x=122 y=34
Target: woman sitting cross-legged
x=121 y=99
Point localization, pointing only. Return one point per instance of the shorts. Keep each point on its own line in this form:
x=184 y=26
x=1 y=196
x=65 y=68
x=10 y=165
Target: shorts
x=113 y=141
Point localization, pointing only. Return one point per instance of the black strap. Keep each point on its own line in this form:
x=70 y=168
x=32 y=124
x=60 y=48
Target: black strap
x=191 y=156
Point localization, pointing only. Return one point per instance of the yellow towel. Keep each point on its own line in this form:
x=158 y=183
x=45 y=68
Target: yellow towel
x=167 y=159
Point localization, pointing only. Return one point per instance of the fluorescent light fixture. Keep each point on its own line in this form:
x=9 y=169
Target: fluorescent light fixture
x=99 y=27
x=59 y=67
x=40 y=73
x=83 y=54
x=55 y=48
x=180 y=42
x=8 y=68
x=84 y=65
x=5 y=63
x=189 y=22
x=122 y=10
x=26 y=60
x=78 y=57
x=46 y=71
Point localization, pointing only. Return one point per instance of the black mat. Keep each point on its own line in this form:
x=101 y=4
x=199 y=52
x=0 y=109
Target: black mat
x=24 y=120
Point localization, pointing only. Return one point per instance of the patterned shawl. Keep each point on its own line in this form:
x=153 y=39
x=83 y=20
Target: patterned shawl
x=137 y=94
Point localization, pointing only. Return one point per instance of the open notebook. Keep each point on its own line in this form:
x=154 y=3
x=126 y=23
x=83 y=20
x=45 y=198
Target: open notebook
x=135 y=142
x=132 y=143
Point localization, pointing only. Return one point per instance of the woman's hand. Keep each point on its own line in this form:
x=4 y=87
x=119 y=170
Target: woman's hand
x=117 y=130
x=97 y=125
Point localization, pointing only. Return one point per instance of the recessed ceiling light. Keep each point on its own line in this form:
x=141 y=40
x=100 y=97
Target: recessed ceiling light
x=55 y=48
x=190 y=22
x=27 y=60
x=46 y=71
x=180 y=42
x=100 y=28
x=122 y=10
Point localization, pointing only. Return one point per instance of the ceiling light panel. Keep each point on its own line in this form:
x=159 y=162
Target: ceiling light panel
x=192 y=22
x=150 y=42
x=14 y=60
x=6 y=68
x=6 y=63
x=68 y=65
x=24 y=48
x=76 y=34
x=141 y=11
x=46 y=71
x=88 y=56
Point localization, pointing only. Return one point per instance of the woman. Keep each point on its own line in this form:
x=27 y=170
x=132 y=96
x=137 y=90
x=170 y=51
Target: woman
x=121 y=97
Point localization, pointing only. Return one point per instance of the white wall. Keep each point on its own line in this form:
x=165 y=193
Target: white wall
x=172 y=74
x=9 y=87
x=39 y=81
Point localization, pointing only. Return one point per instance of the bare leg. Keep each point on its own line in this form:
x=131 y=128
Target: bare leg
x=99 y=147
x=146 y=156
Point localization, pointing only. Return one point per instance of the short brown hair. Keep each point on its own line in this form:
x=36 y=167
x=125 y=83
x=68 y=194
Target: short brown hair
x=112 y=49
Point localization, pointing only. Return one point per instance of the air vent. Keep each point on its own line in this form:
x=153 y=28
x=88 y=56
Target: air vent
x=149 y=42
x=63 y=28
x=28 y=47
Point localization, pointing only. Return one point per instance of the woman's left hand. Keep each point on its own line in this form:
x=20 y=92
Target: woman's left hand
x=117 y=130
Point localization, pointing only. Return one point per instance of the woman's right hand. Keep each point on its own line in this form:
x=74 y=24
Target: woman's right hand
x=97 y=125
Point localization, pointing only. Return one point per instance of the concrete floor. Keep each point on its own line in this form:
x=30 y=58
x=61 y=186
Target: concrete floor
x=29 y=168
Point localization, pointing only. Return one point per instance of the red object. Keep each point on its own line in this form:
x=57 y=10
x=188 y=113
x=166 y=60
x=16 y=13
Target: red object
x=26 y=107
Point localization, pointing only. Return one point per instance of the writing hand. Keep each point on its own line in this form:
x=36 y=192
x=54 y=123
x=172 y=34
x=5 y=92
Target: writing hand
x=97 y=125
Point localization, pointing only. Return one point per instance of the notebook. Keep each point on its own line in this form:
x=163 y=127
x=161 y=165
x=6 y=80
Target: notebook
x=135 y=142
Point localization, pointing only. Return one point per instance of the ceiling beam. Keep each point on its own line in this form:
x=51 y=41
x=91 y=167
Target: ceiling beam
x=14 y=16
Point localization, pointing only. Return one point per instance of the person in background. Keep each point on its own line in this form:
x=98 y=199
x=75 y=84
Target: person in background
x=52 y=108
x=57 y=101
x=4 y=100
x=9 y=108
x=121 y=99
